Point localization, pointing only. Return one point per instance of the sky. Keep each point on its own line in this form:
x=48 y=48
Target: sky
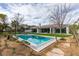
x=36 y=13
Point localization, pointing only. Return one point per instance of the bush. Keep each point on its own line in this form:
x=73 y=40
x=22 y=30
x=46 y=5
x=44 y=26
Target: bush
x=62 y=39
x=5 y=34
x=26 y=42
x=56 y=46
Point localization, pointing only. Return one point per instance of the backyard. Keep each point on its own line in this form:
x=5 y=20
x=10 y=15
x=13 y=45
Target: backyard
x=14 y=47
x=43 y=33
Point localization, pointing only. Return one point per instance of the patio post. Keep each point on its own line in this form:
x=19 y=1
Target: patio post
x=53 y=30
x=50 y=30
x=37 y=30
x=67 y=30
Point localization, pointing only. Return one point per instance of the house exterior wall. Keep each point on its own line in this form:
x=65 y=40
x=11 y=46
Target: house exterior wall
x=52 y=30
x=45 y=30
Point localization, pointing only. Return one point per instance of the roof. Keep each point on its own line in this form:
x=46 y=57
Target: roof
x=53 y=26
x=50 y=26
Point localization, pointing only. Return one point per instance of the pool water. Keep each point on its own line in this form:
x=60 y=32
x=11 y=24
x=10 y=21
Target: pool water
x=37 y=40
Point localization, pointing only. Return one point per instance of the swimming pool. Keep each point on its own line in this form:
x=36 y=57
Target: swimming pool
x=36 y=42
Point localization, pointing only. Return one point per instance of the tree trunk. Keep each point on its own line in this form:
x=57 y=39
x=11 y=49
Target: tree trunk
x=76 y=38
x=15 y=30
x=56 y=40
x=60 y=30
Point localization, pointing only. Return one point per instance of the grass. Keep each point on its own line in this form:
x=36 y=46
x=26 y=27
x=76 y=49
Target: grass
x=55 y=35
x=9 y=32
x=41 y=34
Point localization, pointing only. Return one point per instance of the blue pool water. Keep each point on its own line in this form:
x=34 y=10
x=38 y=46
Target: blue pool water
x=34 y=39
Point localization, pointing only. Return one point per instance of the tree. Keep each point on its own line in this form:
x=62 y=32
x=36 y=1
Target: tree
x=18 y=19
x=3 y=20
x=74 y=28
x=1 y=27
x=14 y=25
x=58 y=15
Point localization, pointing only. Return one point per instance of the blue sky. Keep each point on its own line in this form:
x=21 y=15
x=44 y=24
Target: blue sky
x=35 y=13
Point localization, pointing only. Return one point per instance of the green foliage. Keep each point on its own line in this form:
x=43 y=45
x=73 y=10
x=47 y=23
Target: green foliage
x=14 y=23
x=4 y=24
x=62 y=39
x=56 y=46
x=26 y=42
x=5 y=34
x=3 y=16
x=1 y=26
x=74 y=28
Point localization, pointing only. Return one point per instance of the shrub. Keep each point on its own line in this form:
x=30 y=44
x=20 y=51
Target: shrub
x=62 y=39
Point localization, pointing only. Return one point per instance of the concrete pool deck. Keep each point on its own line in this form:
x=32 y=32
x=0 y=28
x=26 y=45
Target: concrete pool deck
x=38 y=49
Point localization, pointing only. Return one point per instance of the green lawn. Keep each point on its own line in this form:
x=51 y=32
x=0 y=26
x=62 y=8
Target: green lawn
x=51 y=35
x=55 y=35
x=8 y=33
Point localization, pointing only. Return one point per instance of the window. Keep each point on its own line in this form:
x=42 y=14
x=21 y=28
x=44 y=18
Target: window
x=34 y=30
x=62 y=30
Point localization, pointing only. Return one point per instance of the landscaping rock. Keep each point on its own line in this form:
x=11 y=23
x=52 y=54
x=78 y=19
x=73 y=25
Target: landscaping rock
x=12 y=44
x=7 y=52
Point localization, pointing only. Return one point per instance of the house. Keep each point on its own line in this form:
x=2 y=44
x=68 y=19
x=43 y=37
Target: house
x=25 y=28
x=53 y=28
